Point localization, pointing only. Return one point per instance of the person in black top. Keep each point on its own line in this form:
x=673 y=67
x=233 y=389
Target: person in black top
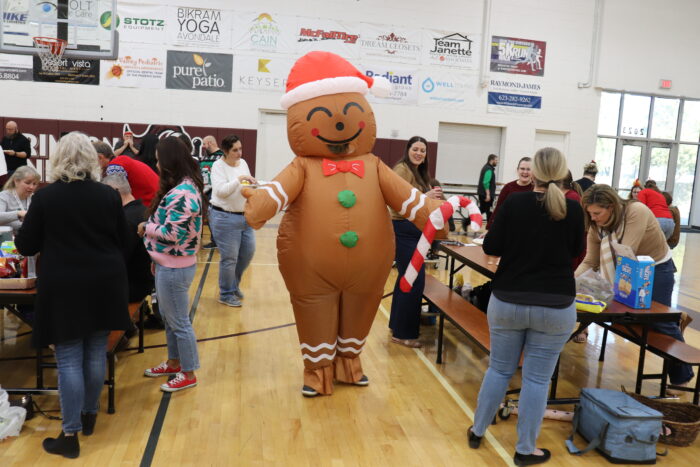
x=486 y=189
x=138 y=261
x=78 y=226
x=590 y=170
x=16 y=147
x=532 y=309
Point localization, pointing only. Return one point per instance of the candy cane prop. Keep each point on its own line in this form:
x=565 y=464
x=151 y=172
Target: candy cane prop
x=436 y=221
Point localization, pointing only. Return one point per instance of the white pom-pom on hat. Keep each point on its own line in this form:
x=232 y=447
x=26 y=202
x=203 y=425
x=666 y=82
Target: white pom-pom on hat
x=323 y=73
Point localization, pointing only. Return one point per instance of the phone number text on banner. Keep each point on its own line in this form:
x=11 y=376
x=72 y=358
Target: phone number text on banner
x=515 y=100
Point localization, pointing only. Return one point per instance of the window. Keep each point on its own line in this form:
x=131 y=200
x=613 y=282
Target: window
x=635 y=116
x=605 y=158
x=690 y=127
x=665 y=118
x=609 y=113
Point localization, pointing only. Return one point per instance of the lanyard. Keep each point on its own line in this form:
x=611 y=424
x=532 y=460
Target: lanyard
x=27 y=202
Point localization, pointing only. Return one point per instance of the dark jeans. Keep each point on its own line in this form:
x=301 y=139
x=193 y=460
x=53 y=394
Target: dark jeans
x=405 y=307
x=485 y=206
x=662 y=290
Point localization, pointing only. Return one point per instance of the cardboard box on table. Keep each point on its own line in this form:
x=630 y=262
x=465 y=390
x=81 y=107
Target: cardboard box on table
x=634 y=280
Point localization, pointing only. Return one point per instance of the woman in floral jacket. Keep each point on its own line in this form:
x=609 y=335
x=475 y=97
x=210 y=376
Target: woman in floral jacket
x=172 y=235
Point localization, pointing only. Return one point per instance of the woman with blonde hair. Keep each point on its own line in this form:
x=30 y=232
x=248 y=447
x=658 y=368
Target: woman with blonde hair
x=17 y=196
x=612 y=221
x=78 y=226
x=532 y=309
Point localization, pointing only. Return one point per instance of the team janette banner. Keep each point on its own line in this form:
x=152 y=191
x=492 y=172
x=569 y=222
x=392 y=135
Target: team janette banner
x=327 y=35
x=453 y=49
x=200 y=27
x=389 y=43
x=264 y=32
x=138 y=22
x=261 y=72
x=517 y=56
x=136 y=67
x=404 y=83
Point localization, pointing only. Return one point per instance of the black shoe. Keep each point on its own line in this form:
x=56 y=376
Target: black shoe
x=66 y=446
x=474 y=441
x=364 y=381
x=308 y=391
x=88 y=421
x=532 y=459
x=209 y=246
x=153 y=323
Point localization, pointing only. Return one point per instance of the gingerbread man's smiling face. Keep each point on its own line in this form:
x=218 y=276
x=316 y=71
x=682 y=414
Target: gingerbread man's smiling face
x=334 y=125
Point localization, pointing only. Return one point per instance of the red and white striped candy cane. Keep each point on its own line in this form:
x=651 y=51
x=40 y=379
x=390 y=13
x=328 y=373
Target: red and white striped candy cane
x=436 y=221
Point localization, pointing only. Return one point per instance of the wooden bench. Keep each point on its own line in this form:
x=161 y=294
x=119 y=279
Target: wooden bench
x=662 y=345
x=465 y=316
x=137 y=312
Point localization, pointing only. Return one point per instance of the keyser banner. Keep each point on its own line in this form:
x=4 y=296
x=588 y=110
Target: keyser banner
x=200 y=27
x=199 y=71
x=264 y=32
x=261 y=72
x=517 y=56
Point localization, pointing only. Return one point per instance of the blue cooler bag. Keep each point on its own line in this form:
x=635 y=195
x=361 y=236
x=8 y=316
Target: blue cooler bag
x=623 y=430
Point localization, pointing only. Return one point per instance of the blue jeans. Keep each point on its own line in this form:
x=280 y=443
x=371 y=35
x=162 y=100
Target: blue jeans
x=236 y=242
x=662 y=290
x=81 y=374
x=172 y=288
x=667 y=225
x=540 y=333
x=405 y=306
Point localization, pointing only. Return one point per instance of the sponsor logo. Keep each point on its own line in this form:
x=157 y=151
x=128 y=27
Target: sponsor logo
x=452 y=45
x=14 y=18
x=516 y=85
x=128 y=65
x=391 y=43
x=262 y=82
x=392 y=77
x=80 y=8
x=262 y=65
x=200 y=71
x=199 y=25
x=264 y=31
x=132 y=23
x=314 y=35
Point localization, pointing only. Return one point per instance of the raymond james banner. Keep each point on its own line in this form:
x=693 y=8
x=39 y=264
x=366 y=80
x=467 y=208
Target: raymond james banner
x=515 y=95
x=199 y=71
x=71 y=71
x=264 y=32
x=450 y=49
x=517 y=56
x=205 y=27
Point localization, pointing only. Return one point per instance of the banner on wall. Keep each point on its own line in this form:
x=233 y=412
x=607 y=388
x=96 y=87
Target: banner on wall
x=135 y=68
x=200 y=27
x=446 y=88
x=264 y=32
x=138 y=22
x=389 y=43
x=71 y=71
x=327 y=35
x=261 y=72
x=450 y=49
x=199 y=71
x=517 y=56
x=16 y=67
x=404 y=84
x=514 y=95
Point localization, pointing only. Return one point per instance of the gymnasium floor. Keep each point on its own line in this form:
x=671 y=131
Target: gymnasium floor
x=248 y=410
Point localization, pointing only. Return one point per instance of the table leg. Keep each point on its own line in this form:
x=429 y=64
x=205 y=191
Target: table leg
x=555 y=381
x=452 y=271
x=601 y=358
x=441 y=329
x=642 y=355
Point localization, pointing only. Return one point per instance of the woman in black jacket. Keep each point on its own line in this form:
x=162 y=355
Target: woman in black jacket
x=78 y=226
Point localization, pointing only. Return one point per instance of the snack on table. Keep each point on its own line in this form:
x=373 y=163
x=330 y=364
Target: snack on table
x=589 y=303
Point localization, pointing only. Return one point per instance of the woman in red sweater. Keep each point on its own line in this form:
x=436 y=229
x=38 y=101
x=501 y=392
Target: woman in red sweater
x=654 y=200
x=523 y=183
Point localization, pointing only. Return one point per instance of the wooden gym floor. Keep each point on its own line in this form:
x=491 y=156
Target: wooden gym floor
x=248 y=410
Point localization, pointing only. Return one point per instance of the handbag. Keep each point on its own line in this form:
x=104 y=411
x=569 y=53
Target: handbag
x=623 y=430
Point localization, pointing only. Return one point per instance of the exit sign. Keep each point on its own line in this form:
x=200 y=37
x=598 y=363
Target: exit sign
x=665 y=84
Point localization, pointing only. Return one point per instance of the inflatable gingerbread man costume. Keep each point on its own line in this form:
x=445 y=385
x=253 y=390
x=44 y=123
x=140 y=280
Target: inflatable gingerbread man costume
x=335 y=242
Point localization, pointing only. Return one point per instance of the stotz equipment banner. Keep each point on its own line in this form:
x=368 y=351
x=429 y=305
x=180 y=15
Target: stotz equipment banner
x=199 y=71
x=264 y=32
x=446 y=88
x=517 y=56
x=136 y=67
x=138 y=23
x=200 y=27
x=70 y=71
x=514 y=95
x=450 y=49
x=390 y=44
x=404 y=84
x=261 y=72
x=327 y=35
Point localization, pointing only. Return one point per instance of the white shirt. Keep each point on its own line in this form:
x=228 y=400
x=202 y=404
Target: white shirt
x=226 y=189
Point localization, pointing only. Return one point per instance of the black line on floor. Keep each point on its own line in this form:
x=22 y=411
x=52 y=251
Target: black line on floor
x=26 y=333
x=153 y=437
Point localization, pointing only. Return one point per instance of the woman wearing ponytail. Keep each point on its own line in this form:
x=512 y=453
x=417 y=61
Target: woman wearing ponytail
x=532 y=309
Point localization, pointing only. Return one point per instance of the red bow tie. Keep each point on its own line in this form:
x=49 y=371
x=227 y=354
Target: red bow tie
x=333 y=167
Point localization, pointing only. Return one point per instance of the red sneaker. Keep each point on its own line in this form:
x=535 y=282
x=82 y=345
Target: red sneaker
x=178 y=383
x=161 y=370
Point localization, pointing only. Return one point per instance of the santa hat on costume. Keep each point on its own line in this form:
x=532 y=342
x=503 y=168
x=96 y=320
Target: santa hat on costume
x=322 y=73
